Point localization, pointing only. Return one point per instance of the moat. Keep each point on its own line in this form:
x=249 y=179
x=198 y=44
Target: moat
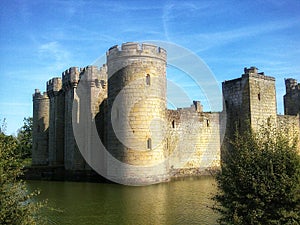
x=178 y=202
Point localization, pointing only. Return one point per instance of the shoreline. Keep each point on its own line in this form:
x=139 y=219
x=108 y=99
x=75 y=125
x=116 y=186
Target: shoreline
x=58 y=173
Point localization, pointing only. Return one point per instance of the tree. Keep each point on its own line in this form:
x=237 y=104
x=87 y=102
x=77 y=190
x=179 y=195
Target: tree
x=25 y=138
x=260 y=179
x=16 y=204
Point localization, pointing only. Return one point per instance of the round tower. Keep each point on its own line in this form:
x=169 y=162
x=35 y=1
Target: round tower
x=136 y=108
x=40 y=128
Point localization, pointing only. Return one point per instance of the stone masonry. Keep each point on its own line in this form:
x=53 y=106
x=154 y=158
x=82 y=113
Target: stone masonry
x=126 y=100
x=250 y=100
x=292 y=97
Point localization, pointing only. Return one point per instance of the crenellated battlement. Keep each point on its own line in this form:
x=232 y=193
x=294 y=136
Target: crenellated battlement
x=198 y=106
x=70 y=77
x=54 y=85
x=250 y=70
x=38 y=95
x=253 y=72
x=291 y=84
x=133 y=49
x=94 y=74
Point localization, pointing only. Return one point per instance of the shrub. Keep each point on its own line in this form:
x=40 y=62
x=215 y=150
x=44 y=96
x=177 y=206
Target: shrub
x=260 y=178
x=16 y=204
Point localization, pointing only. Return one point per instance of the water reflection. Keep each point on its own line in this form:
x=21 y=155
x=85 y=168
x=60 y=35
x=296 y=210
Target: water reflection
x=178 y=202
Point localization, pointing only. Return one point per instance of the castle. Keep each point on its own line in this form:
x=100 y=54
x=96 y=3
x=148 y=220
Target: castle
x=126 y=100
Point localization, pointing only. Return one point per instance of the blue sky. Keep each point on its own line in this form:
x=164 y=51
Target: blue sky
x=40 y=39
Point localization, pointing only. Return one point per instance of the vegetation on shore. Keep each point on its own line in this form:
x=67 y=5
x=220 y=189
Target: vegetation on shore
x=260 y=178
x=17 y=205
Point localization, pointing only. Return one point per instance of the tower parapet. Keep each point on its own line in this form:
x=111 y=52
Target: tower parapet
x=136 y=49
x=253 y=72
x=54 y=85
x=70 y=77
x=291 y=85
x=119 y=57
x=38 y=95
x=97 y=76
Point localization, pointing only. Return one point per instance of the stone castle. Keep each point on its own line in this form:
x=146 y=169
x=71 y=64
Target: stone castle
x=126 y=100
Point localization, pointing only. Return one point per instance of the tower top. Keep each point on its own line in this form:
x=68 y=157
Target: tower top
x=253 y=72
x=252 y=69
x=291 y=84
x=54 y=84
x=133 y=49
x=38 y=95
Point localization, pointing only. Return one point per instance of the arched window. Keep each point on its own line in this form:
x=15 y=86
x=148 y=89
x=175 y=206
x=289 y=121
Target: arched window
x=173 y=124
x=149 y=143
x=148 y=79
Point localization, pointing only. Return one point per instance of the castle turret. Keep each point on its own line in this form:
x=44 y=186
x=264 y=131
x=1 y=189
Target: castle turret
x=136 y=109
x=250 y=99
x=90 y=93
x=292 y=97
x=56 y=121
x=40 y=128
x=73 y=158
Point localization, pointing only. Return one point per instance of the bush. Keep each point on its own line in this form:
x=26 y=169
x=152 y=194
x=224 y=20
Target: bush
x=16 y=204
x=260 y=179
x=25 y=138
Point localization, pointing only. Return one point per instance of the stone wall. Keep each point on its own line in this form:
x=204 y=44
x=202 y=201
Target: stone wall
x=290 y=125
x=236 y=103
x=194 y=140
x=262 y=97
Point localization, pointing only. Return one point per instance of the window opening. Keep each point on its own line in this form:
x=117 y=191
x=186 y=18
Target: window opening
x=148 y=79
x=149 y=143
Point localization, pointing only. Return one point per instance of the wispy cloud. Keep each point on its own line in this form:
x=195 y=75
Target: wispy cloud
x=54 y=53
x=204 y=35
x=215 y=39
x=125 y=6
x=175 y=12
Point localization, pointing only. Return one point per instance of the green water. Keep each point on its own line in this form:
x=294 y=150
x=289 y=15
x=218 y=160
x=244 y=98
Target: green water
x=177 y=202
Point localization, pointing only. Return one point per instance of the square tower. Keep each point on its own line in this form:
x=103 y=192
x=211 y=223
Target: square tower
x=250 y=100
x=292 y=97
